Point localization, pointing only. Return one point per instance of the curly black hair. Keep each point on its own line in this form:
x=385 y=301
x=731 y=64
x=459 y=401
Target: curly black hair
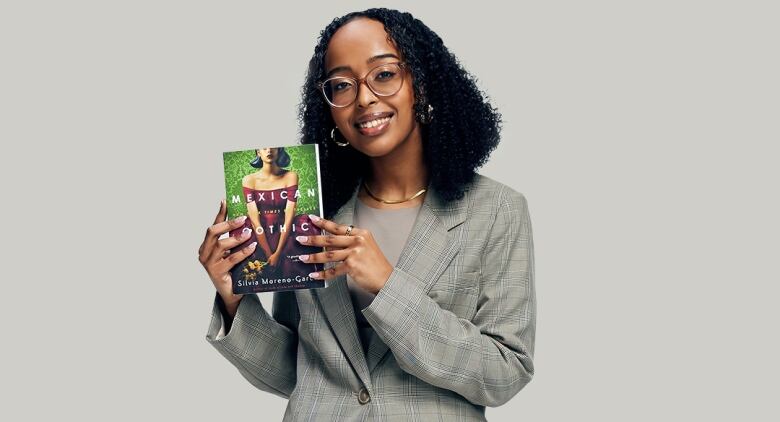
x=465 y=126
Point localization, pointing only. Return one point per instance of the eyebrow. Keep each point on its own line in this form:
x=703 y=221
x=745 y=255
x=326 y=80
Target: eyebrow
x=369 y=61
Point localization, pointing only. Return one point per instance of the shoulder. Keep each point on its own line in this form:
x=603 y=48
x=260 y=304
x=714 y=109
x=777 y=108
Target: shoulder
x=487 y=194
x=291 y=178
x=248 y=181
x=497 y=210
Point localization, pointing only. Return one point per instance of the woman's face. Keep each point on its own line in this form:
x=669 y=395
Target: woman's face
x=355 y=49
x=267 y=155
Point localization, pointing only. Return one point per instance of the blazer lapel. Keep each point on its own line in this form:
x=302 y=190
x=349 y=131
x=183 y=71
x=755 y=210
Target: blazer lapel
x=337 y=305
x=428 y=251
x=430 y=248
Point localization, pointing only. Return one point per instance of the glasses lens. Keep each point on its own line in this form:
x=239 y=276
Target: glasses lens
x=339 y=91
x=386 y=79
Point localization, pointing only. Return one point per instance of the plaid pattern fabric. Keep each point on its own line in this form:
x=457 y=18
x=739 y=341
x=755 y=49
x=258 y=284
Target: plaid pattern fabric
x=455 y=323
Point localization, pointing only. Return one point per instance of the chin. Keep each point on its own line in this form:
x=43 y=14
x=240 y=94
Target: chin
x=376 y=147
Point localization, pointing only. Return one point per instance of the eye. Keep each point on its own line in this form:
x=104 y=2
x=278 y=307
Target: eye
x=384 y=75
x=340 y=85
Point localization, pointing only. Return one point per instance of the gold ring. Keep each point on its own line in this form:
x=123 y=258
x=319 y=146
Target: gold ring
x=349 y=230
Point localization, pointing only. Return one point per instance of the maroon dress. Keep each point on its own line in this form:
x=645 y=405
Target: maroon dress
x=271 y=205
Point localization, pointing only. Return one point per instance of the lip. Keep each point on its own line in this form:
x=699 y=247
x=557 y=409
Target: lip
x=371 y=116
x=377 y=130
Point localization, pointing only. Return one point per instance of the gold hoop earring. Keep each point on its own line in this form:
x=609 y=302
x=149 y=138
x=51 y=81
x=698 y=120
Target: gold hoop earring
x=427 y=115
x=333 y=136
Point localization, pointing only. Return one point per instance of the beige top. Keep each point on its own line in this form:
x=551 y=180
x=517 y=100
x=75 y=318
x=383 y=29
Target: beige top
x=390 y=228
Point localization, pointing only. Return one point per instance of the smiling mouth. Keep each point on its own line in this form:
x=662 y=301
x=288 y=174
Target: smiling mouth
x=373 y=123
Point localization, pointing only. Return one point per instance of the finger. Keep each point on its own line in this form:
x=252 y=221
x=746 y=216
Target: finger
x=329 y=273
x=214 y=232
x=217 y=230
x=234 y=258
x=225 y=245
x=335 y=241
x=220 y=217
x=324 y=257
x=210 y=246
x=331 y=226
x=222 y=212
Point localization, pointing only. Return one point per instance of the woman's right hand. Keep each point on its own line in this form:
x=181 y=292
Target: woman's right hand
x=217 y=257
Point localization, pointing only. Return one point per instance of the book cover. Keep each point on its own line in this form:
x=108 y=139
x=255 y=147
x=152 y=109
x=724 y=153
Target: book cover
x=276 y=188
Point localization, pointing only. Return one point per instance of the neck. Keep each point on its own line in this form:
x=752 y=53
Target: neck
x=268 y=170
x=401 y=173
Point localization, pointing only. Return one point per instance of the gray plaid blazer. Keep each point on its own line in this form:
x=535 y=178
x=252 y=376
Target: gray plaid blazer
x=454 y=324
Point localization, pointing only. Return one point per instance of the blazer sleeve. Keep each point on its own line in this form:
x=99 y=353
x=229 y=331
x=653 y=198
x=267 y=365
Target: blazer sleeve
x=489 y=358
x=262 y=347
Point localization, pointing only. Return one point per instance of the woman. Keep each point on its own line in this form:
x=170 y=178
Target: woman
x=430 y=308
x=270 y=195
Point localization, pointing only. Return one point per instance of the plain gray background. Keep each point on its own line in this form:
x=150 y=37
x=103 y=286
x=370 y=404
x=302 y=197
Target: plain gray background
x=643 y=135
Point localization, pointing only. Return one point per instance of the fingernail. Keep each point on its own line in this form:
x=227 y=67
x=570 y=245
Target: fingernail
x=252 y=245
x=313 y=275
x=314 y=218
x=301 y=239
x=245 y=232
x=240 y=220
x=303 y=258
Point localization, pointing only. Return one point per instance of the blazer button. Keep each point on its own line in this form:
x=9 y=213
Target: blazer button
x=363 y=396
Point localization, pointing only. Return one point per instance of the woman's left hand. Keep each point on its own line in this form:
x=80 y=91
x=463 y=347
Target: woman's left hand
x=359 y=254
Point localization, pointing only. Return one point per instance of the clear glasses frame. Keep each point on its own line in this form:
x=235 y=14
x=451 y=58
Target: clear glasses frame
x=358 y=81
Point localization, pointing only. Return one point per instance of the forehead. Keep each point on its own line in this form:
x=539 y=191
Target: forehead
x=357 y=41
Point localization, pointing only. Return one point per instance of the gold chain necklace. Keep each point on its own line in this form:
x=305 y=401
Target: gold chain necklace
x=387 y=201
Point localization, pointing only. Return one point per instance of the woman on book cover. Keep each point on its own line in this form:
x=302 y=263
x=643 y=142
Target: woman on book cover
x=271 y=199
x=430 y=310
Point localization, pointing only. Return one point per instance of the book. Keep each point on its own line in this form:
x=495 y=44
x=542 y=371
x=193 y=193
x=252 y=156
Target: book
x=276 y=188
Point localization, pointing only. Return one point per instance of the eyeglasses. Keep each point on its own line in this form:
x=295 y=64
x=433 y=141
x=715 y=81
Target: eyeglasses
x=384 y=80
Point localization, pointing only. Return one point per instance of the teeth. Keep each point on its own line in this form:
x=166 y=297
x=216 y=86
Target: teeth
x=374 y=123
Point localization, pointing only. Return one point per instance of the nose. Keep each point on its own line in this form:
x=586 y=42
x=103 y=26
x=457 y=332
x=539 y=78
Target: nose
x=365 y=96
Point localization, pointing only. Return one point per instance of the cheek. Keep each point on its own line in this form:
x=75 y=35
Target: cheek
x=405 y=101
x=404 y=105
x=340 y=116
